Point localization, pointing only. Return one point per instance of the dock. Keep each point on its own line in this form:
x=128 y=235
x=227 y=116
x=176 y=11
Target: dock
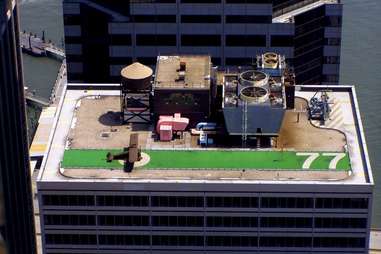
x=39 y=47
x=35 y=101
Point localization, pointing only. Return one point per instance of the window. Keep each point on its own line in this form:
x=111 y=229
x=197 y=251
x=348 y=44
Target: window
x=72 y=220
x=120 y=39
x=248 y=19
x=68 y=200
x=282 y=41
x=289 y=202
x=155 y=40
x=332 y=41
x=216 y=60
x=73 y=39
x=331 y=78
x=178 y=221
x=230 y=241
x=153 y=1
x=175 y=201
x=246 y=40
x=248 y=1
x=154 y=18
x=285 y=242
x=217 y=221
x=124 y=240
x=120 y=61
x=331 y=59
x=200 y=19
x=71 y=239
x=201 y=40
x=340 y=222
x=201 y=1
x=177 y=240
x=286 y=222
x=123 y=220
x=236 y=202
x=70 y=19
x=342 y=203
x=122 y=201
x=147 y=60
x=240 y=61
x=339 y=242
x=333 y=21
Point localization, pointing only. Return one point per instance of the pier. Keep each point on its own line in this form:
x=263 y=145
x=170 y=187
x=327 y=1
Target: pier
x=39 y=47
x=35 y=46
x=59 y=84
x=35 y=101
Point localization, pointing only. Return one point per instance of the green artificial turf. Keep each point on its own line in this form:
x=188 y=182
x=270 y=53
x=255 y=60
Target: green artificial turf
x=91 y=158
x=205 y=159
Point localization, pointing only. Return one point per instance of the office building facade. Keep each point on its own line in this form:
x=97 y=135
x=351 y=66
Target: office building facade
x=186 y=218
x=17 y=222
x=102 y=36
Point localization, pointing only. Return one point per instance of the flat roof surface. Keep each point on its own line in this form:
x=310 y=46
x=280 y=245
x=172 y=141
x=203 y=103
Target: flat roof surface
x=87 y=127
x=197 y=72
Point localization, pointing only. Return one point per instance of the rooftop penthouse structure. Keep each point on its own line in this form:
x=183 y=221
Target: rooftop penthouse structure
x=102 y=36
x=303 y=186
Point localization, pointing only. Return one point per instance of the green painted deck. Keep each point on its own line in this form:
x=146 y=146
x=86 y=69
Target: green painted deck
x=207 y=159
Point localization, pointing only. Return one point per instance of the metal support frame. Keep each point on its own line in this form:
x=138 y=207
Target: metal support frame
x=135 y=106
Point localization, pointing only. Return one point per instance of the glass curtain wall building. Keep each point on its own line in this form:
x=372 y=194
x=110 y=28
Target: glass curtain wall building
x=17 y=223
x=102 y=36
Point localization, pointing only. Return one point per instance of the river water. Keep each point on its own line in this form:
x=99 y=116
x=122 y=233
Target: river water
x=360 y=64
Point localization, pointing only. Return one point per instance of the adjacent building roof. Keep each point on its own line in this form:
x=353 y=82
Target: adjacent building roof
x=195 y=76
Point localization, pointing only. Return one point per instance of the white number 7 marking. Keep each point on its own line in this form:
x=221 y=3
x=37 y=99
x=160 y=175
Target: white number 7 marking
x=337 y=157
x=311 y=157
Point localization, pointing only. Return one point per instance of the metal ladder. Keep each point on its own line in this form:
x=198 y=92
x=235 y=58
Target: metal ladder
x=244 y=124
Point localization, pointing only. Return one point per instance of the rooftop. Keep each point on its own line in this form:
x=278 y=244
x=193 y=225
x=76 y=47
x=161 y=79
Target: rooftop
x=196 y=73
x=87 y=126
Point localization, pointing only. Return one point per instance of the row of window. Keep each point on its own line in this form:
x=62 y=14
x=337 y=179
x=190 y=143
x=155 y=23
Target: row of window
x=198 y=201
x=214 y=40
x=217 y=19
x=196 y=240
x=205 y=1
x=234 y=61
x=191 y=40
x=329 y=21
x=210 y=221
